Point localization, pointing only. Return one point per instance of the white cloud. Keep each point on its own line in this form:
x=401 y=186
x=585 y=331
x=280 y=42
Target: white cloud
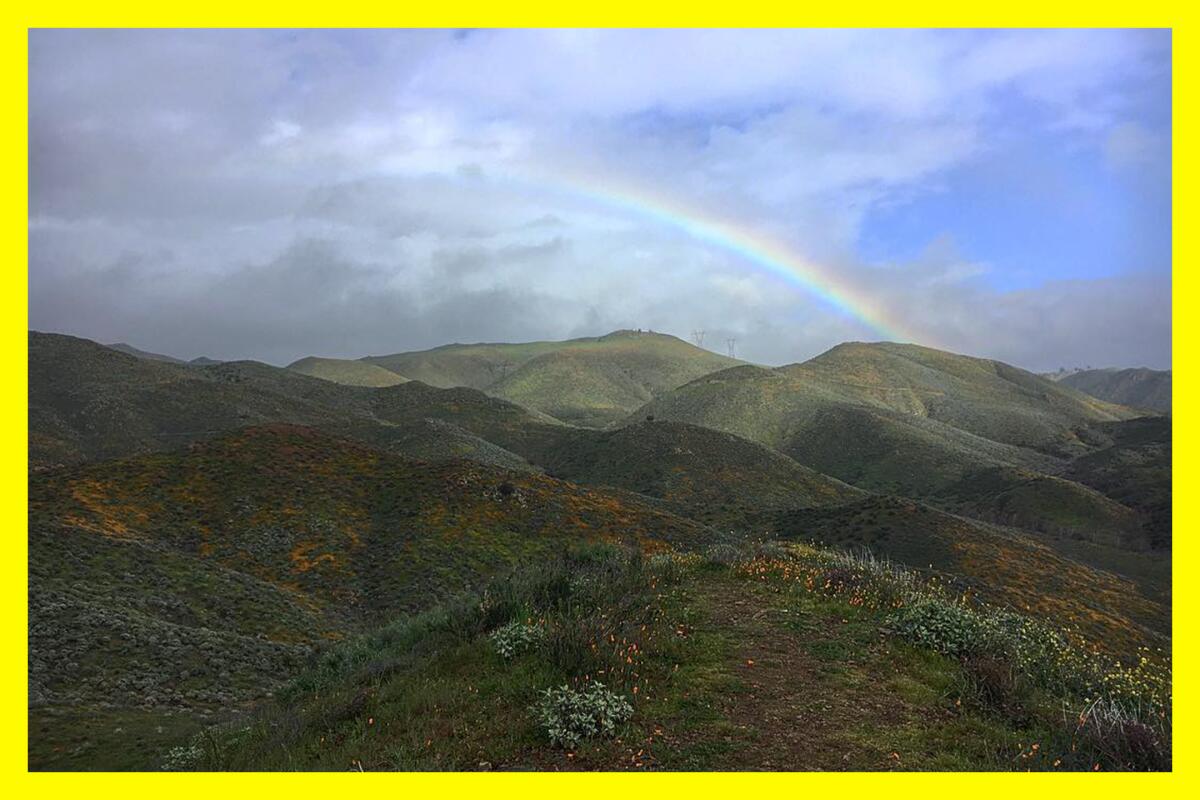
x=423 y=165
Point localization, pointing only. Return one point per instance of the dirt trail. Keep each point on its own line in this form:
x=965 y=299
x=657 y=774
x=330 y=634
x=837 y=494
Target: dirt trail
x=798 y=711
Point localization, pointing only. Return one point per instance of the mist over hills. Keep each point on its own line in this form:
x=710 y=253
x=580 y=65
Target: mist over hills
x=226 y=518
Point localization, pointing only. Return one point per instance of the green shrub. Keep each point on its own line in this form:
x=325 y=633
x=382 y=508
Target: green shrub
x=515 y=638
x=940 y=625
x=571 y=715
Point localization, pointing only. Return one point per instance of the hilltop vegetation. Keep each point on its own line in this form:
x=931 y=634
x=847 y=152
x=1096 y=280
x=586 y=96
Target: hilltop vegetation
x=716 y=478
x=967 y=434
x=995 y=563
x=1138 y=388
x=788 y=659
x=133 y=351
x=985 y=398
x=345 y=371
x=591 y=382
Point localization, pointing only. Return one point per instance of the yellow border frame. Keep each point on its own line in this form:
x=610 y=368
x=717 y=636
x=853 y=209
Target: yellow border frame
x=541 y=13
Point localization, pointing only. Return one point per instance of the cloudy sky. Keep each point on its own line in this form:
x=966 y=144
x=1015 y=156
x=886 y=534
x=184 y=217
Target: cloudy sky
x=275 y=194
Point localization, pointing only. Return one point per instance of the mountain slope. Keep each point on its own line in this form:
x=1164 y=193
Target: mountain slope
x=133 y=351
x=1000 y=564
x=713 y=477
x=591 y=381
x=89 y=402
x=1138 y=388
x=346 y=371
x=196 y=579
x=908 y=420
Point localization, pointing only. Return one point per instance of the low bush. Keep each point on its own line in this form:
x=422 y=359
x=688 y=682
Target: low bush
x=939 y=624
x=515 y=638
x=568 y=716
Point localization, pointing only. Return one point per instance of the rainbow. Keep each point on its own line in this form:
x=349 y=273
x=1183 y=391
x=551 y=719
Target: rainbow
x=751 y=246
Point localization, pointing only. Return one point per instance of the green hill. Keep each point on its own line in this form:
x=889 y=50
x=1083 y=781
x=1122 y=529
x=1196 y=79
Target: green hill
x=346 y=371
x=89 y=402
x=591 y=381
x=1138 y=388
x=907 y=420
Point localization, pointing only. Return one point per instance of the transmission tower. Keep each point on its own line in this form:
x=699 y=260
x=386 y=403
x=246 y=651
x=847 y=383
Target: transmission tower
x=732 y=345
x=698 y=337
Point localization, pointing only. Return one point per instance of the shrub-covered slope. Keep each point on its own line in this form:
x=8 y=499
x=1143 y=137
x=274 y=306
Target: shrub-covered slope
x=194 y=580
x=1001 y=564
x=346 y=371
x=788 y=659
x=968 y=434
x=591 y=381
x=714 y=477
x=985 y=398
x=89 y=402
x=1139 y=388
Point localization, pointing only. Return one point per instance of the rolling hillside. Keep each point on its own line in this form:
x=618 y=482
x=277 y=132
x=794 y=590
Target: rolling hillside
x=89 y=402
x=194 y=580
x=197 y=533
x=129 y=349
x=967 y=434
x=715 y=478
x=1001 y=564
x=1138 y=388
x=346 y=371
x=591 y=381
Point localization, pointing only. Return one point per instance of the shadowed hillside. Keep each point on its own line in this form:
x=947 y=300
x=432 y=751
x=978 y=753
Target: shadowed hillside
x=129 y=349
x=1138 y=388
x=89 y=402
x=717 y=478
x=1134 y=468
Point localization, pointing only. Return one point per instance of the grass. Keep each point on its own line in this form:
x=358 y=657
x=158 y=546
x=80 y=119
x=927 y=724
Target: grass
x=1001 y=565
x=591 y=382
x=346 y=371
x=789 y=659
